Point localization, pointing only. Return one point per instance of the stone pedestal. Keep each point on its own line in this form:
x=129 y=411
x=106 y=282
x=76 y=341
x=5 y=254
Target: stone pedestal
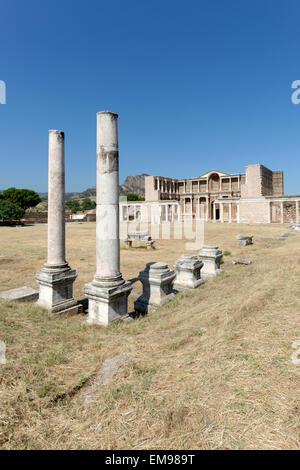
x=211 y=257
x=107 y=305
x=188 y=271
x=56 y=277
x=108 y=292
x=157 y=280
x=56 y=289
x=296 y=227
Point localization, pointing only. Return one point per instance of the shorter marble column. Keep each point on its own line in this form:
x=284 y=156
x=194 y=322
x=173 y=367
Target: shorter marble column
x=56 y=277
x=157 y=280
x=188 y=271
x=211 y=257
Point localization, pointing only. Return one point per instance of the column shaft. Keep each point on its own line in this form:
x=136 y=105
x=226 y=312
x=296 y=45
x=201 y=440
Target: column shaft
x=108 y=292
x=107 y=223
x=56 y=198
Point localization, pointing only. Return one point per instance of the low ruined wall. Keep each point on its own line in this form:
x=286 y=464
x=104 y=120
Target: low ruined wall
x=31 y=218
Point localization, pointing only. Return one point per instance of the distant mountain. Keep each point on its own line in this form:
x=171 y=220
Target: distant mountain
x=132 y=184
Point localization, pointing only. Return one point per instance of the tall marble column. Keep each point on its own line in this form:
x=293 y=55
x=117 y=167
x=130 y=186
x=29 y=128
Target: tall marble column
x=56 y=277
x=108 y=292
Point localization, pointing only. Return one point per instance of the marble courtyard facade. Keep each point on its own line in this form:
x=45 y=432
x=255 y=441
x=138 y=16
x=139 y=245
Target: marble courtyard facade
x=256 y=196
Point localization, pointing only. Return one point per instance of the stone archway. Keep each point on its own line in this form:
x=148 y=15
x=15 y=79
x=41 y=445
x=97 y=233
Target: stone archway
x=214 y=182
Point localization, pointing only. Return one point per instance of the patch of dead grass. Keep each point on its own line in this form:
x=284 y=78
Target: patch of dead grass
x=210 y=370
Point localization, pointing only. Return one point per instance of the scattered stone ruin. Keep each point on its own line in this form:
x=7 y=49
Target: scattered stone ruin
x=244 y=240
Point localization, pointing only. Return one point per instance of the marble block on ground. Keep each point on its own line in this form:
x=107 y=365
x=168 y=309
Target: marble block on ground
x=244 y=240
x=22 y=294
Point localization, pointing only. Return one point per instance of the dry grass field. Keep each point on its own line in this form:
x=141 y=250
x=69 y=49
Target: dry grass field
x=210 y=370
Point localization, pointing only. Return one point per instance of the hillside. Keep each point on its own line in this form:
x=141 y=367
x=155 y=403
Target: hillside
x=132 y=184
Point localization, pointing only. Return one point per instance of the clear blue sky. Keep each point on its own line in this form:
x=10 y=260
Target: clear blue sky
x=197 y=85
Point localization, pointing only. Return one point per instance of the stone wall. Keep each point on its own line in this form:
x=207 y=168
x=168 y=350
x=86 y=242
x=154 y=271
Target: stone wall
x=254 y=212
x=151 y=194
x=252 y=185
x=277 y=183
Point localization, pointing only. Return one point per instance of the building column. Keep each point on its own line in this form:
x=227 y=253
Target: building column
x=281 y=212
x=214 y=209
x=221 y=206
x=238 y=213
x=207 y=210
x=269 y=212
x=56 y=277
x=297 y=212
x=230 y=212
x=108 y=292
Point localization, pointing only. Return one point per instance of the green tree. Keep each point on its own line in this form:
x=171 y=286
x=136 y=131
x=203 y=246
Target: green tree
x=73 y=206
x=24 y=198
x=10 y=211
x=132 y=197
x=87 y=204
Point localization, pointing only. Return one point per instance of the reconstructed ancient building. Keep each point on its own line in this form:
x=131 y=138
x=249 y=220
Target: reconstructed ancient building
x=256 y=196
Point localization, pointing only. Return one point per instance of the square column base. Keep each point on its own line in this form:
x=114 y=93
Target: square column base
x=107 y=305
x=56 y=290
x=188 y=270
x=211 y=256
x=157 y=280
